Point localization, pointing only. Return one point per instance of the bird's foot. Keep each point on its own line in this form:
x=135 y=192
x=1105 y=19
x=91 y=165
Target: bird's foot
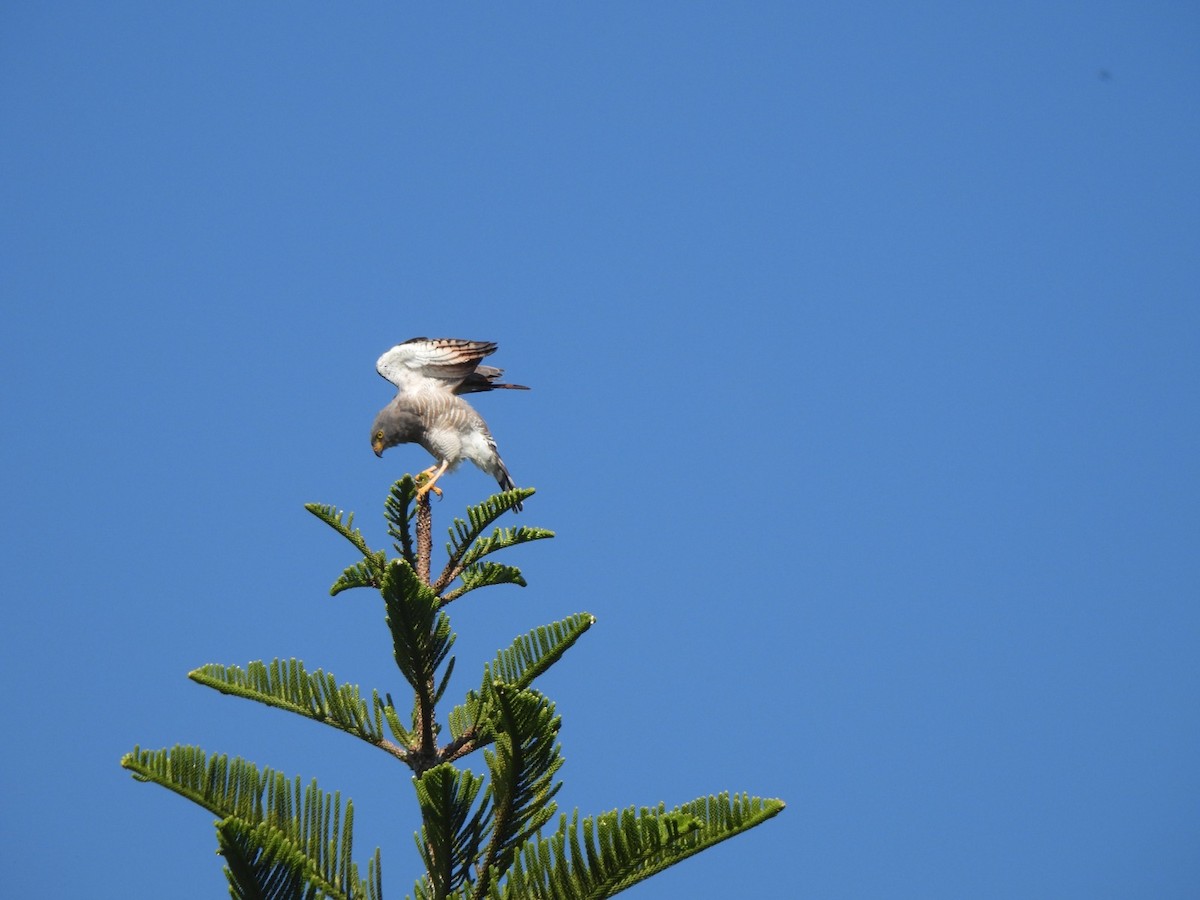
x=427 y=480
x=425 y=489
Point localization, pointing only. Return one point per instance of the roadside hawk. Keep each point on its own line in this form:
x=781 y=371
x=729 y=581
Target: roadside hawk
x=430 y=374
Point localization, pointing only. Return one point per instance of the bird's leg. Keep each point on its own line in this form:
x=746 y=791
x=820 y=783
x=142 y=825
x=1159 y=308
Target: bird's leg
x=433 y=473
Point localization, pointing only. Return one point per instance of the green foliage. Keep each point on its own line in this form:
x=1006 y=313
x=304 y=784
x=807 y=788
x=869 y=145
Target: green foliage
x=480 y=835
x=464 y=535
x=368 y=573
x=532 y=654
x=342 y=523
x=485 y=575
x=317 y=696
x=261 y=864
x=304 y=832
x=522 y=769
x=467 y=546
x=616 y=850
x=397 y=511
x=517 y=666
x=454 y=828
x=421 y=635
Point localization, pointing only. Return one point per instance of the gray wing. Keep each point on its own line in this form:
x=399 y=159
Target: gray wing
x=484 y=379
x=441 y=364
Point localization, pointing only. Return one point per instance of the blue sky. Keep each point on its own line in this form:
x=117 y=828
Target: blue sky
x=864 y=345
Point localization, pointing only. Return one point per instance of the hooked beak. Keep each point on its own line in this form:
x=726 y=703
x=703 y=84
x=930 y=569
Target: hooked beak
x=377 y=446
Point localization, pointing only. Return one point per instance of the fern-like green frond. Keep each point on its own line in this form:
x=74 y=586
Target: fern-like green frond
x=398 y=510
x=484 y=574
x=289 y=819
x=285 y=684
x=502 y=538
x=445 y=682
x=333 y=517
x=368 y=573
x=453 y=826
x=532 y=654
x=522 y=768
x=479 y=518
x=465 y=720
x=392 y=718
x=262 y=864
x=421 y=635
x=524 y=660
x=608 y=853
x=467 y=546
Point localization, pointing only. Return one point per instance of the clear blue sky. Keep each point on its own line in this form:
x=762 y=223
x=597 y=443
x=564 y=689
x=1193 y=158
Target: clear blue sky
x=864 y=345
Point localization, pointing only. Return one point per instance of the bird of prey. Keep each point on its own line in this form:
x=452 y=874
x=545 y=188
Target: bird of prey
x=431 y=373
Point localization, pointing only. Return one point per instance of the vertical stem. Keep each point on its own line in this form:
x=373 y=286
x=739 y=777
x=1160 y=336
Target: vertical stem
x=424 y=537
x=425 y=714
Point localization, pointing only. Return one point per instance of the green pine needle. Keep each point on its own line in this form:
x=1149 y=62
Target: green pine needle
x=608 y=853
x=290 y=822
x=285 y=684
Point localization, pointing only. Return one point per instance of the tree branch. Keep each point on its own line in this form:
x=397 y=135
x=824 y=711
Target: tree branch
x=424 y=536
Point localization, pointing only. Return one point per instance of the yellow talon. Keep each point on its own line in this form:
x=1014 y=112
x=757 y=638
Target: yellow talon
x=433 y=473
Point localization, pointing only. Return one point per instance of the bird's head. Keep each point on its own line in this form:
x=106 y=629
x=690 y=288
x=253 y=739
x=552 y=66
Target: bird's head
x=382 y=435
x=395 y=424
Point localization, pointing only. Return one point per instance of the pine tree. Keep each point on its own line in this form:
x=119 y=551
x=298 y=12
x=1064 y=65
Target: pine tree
x=482 y=835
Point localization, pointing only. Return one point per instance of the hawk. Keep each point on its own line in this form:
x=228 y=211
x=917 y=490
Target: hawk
x=430 y=374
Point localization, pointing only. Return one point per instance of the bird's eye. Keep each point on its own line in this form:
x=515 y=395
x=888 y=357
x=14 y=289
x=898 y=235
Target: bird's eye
x=379 y=435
